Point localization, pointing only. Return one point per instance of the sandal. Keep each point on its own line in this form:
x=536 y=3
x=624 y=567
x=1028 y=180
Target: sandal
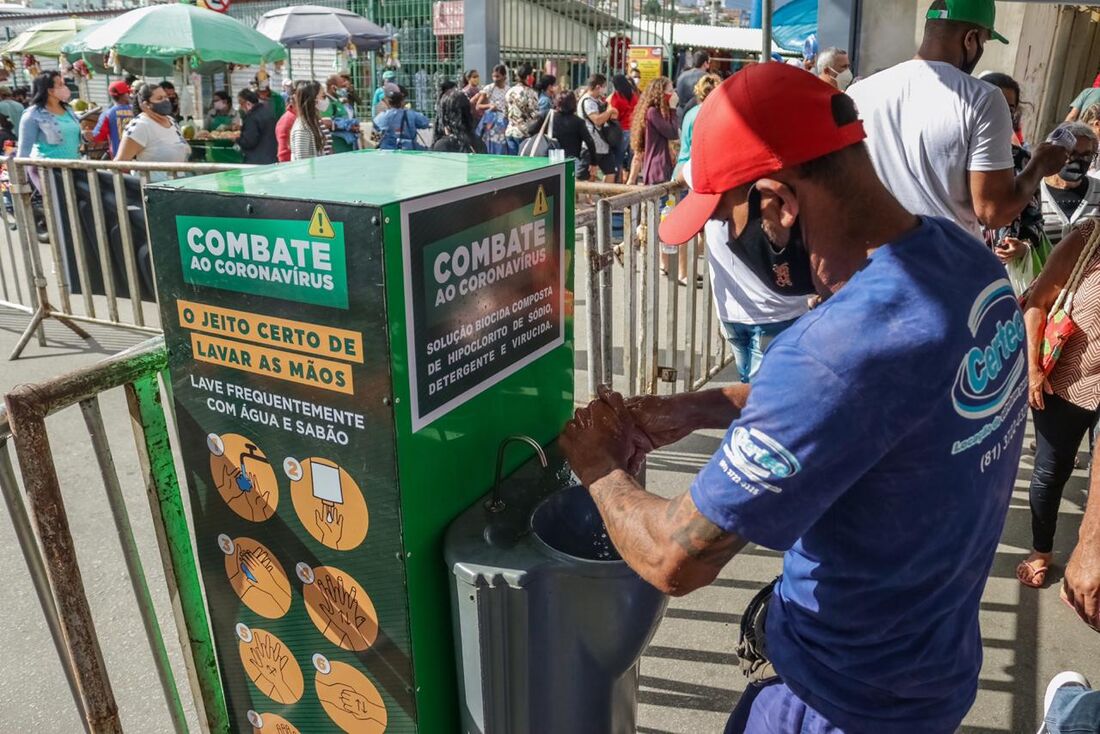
x=1030 y=576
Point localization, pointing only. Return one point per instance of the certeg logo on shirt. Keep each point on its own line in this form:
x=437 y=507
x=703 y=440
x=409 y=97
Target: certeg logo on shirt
x=759 y=457
x=991 y=368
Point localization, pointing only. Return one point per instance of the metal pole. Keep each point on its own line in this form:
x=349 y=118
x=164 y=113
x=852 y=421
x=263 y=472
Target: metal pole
x=766 y=28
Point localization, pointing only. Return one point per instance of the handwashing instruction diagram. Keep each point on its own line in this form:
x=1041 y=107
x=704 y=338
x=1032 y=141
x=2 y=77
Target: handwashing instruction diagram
x=270 y=665
x=256 y=575
x=328 y=502
x=349 y=698
x=244 y=477
x=340 y=608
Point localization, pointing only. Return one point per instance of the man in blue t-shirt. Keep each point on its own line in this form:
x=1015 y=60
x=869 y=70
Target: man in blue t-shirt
x=113 y=122
x=877 y=448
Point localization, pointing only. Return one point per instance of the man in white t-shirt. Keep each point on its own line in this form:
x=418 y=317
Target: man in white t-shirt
x=759 y=275
x=940 y=139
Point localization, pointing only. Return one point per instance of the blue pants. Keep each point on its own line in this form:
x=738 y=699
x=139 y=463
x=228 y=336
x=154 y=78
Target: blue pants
x=749 y=342
x=1074 y=710
x=513 y=146
x=774 y=709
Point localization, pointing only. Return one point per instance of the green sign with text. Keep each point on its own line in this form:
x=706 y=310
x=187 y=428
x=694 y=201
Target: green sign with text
x=292 y=259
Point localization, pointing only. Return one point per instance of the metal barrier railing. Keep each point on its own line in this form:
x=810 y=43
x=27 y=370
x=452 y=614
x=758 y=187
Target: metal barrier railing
x=624 y=303
x=70 y=250
x=47 y=544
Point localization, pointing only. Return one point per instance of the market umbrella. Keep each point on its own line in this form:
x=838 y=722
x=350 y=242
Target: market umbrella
x=314 y=26
x=151 y=40
x=46 y=39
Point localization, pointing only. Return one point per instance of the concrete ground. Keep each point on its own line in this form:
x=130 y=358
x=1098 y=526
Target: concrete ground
x=690 y=679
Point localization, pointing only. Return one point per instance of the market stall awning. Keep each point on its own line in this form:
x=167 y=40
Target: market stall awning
x=46 y=39
x=152 y=39
x=316 y=26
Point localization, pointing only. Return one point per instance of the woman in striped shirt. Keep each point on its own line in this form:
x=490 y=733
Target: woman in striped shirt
x=1065 y=404
x=1071 y=196
x=309 y=137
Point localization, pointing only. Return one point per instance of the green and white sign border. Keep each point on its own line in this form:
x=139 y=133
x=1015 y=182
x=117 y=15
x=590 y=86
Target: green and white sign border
x=472 y=192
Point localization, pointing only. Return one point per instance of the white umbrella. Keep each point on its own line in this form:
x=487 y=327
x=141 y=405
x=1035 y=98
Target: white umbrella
x=314 y=26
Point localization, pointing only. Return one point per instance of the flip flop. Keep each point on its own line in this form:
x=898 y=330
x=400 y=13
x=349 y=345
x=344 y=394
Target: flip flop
x=1030 y=576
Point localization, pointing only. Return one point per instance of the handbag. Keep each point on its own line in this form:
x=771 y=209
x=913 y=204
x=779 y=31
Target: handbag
x=612 y=133
x=1059 y=326
x=540 y=145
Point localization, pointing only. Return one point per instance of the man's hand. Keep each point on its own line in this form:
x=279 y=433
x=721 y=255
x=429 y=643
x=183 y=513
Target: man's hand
x=660 y=420
x=1009 y=249
x=1049 y=158
x=1081 y=584
x=601 y=438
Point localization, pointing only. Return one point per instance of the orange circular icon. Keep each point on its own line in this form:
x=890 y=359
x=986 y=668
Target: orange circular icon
x=243 y=476
x=258 y=578
x=271 y=667
x=351 y=700
x=274 y=724
x=341 y=609
x=330 y=504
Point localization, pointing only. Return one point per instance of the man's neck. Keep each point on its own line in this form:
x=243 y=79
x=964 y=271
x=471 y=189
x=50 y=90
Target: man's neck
x=937 y=52
x=860 y=224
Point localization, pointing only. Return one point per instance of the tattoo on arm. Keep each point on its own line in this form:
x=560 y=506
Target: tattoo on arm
x=668 y=542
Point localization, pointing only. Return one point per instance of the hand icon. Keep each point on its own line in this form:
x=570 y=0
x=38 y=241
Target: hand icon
x=330 y=523
x=269 y=661
x=356 y=704
x=344 y=613
x=259 y=568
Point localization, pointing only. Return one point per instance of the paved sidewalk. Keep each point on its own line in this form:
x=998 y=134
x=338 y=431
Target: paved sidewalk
x=690 y=679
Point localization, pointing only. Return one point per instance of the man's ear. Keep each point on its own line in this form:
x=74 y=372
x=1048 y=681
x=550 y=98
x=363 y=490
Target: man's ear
x=788 y=212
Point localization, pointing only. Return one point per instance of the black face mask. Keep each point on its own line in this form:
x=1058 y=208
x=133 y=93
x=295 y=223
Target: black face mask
x=784 y=271
x=969 y=65
x=1075 y=169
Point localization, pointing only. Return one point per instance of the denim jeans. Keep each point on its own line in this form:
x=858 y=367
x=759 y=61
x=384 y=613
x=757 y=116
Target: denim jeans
x=1059 y=428
x=1074 y=710
x=749 y=342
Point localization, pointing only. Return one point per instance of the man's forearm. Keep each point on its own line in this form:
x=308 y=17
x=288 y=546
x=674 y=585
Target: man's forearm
x=1026 y=184
x=667 y=542
x=717 y=408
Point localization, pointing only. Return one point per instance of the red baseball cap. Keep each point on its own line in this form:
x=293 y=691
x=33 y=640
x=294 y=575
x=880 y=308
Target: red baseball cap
x=119 y=87
x=759 y=121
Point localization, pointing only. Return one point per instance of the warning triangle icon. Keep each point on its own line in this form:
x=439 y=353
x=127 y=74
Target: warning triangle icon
x=541 y=207
x=320 y=225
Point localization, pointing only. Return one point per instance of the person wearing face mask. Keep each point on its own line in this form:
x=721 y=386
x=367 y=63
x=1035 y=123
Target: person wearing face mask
x=153 y=136
x=345 y=126
x=835 y=68
x=48 y=128
x=170 y=90
x=309 y=136
x=1071 y=195
x=941 y=139
x=220 y=116
x=863 y=449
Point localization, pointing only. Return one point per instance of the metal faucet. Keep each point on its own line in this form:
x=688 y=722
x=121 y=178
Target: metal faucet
x=495 y=503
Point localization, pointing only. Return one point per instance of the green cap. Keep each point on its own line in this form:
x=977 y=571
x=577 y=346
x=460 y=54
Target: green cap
x=981 y=13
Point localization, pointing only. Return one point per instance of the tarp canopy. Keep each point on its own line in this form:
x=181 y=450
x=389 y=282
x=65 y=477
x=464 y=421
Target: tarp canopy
x=152 y=39
x=315 y=26
x=46 y=39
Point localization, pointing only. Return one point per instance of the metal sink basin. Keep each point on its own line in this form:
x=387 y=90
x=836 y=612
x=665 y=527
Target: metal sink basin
x=567 y=522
